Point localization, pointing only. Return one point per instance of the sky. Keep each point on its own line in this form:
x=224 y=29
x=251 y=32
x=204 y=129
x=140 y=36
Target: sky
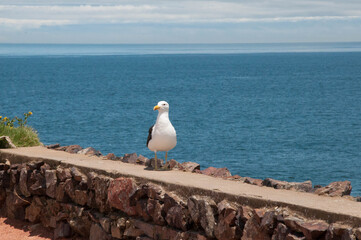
x=181 y=21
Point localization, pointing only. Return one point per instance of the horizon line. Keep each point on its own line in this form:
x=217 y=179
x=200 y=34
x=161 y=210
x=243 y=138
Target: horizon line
x=196 y=43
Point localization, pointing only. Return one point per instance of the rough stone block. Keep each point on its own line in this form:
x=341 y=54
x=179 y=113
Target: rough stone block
x=335 y=189
x=62 y=230
x=190 y=166
x=97 y=233
x=119 y=193
x=202 y=211
x=23 y=182
x=178 y=217
x=51 y=181
x=130 y=158
x=217 y=172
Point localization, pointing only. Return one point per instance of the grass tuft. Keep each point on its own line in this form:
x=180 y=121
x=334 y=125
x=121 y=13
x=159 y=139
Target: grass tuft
x=21 y=136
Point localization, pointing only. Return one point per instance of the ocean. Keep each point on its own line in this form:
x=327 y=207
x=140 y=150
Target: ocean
x=286 y=111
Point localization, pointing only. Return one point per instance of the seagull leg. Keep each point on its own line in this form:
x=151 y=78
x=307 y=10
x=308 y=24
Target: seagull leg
x=165 y=167
x=155 y=161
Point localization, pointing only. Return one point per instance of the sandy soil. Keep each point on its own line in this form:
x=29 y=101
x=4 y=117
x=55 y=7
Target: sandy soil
x=11 y=229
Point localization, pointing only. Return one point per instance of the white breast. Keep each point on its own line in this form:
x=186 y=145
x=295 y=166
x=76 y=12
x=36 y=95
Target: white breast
x=164 y=137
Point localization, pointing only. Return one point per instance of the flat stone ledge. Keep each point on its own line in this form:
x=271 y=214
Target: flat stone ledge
x=310 y=206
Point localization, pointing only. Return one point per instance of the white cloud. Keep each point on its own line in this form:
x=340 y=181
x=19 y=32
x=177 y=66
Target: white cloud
x=32 y=23
x=41 y=13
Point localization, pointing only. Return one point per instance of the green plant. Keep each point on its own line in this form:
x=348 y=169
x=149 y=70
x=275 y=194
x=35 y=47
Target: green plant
x=20 y=122
x=18 y=131
x=23 y=122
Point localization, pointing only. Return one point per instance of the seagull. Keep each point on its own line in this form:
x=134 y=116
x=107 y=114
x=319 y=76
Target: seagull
x=162 y=136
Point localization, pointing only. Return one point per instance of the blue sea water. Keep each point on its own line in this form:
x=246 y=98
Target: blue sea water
x=286 y=111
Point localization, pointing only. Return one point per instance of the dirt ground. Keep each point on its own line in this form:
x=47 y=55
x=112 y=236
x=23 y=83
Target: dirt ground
x=11 y=229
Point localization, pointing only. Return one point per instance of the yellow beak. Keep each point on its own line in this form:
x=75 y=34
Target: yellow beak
x=156 y=107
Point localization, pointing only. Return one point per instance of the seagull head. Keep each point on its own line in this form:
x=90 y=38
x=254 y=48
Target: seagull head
x=162 y=106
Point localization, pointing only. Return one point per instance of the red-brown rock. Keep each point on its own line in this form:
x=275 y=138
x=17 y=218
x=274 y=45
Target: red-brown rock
x=15 y=206
x=145 y=228
x=32 y=213
x=313 y=229
x=80 y=197
x=297 y=186
x=170 y=200
x=194 y=236
x=4 y=179
x=117 y=228
x=97 y=233
x=130 y=158
x=141 y=160
x=105 y=223
x=52 y=146
x=111 y=156
x=338 y=231
x=178 y=217
x=99 y=184
x=119 y=193
x=227 y=212
x=63 y=173
x=167 y=233
x=295 y=236
x=217 y=172
x=34 y=165
x=269 y=182
x=23 y=182
x=90 y=152
x=202 y=211
x=154 y=209
x=235 y=178
x=69 y=188
x=259 y=213
x=243 y=215
x=190 y=166
x=335 y=189
x=51 y=181
x=50 y=210
x=62 y=230
x=14 y=177
x=172 y=164
x=60 y=195
x=143 y=238
x=2 y=197
x=141 y=208
x=253 y=181
x=81 y=224
x=252 y=230
x=226 y=226
x=280 y=232
x=78 y=175
x=268 y=222
x=358 y=233
x=72 y=148
x=37 y=183
x=44 y=168
x=293 y=223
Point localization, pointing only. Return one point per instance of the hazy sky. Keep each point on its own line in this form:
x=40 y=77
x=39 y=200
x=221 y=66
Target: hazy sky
x=181 y=21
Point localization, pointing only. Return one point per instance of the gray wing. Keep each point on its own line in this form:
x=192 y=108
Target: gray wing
x=150 y=134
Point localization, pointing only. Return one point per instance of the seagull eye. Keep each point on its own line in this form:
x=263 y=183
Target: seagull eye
x=163 y=104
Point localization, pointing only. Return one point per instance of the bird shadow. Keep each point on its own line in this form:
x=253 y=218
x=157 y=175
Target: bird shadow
x=160 y=169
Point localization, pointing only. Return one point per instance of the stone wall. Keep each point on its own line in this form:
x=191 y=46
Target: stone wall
x=75 y=202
